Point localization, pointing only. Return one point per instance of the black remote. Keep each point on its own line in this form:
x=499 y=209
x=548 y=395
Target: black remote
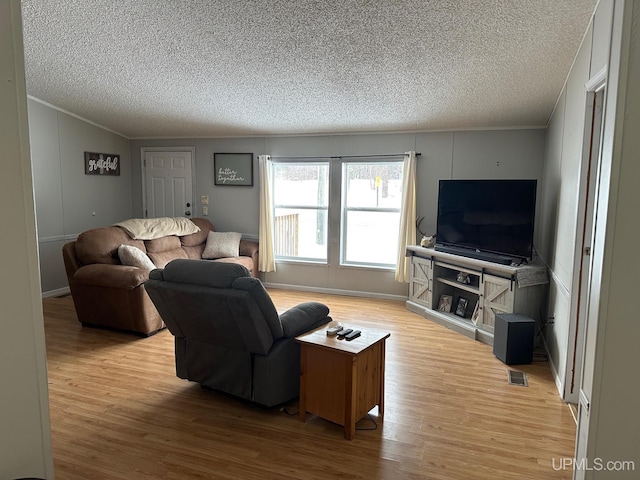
x=345 y=331
x=352 y=335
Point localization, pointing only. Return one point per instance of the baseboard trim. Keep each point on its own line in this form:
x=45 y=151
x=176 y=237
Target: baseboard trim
x=57 y=292
x=554 y=370
x=336 y=291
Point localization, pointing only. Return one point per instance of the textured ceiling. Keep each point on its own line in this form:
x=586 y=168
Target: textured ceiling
x=169 y=68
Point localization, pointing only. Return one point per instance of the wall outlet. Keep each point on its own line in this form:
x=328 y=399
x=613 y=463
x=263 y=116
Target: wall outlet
x=204 y=200
x=205 y=211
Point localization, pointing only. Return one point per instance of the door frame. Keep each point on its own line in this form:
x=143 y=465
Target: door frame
x=586 y=218
x=145 y=150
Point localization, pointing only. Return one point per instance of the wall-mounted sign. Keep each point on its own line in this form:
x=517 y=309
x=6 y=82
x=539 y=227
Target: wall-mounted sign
x=101 y=163
x=233 y=168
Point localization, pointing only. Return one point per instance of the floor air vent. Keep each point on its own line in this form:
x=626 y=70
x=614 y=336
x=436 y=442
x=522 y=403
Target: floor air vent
x=518 y=378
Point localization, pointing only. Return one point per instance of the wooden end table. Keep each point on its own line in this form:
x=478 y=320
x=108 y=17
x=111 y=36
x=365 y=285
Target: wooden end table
x=342 y=380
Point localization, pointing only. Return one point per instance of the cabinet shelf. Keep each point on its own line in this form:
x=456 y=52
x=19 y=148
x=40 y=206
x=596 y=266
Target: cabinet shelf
x=493 y=289
x=461 y=286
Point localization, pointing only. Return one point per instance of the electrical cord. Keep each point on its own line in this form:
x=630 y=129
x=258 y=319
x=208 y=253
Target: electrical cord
x=375 y=425
x=287 y=410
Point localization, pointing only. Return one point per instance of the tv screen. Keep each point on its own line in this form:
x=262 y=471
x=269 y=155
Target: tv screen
x=491 y=216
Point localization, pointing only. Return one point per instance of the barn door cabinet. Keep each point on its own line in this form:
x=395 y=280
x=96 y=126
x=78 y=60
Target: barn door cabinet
x=485 y=288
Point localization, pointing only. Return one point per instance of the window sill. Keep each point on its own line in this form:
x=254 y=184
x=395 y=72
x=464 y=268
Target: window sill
x=366 y=267
x=291 y=261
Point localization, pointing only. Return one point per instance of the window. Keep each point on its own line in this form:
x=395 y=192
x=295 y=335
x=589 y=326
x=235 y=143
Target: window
x=371 y=201
x=300 y=200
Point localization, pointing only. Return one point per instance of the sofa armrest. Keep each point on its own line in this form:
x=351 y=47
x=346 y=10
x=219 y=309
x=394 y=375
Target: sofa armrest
x=250 y=248
x=304 y=317
x=114 y=276
x=71 y=262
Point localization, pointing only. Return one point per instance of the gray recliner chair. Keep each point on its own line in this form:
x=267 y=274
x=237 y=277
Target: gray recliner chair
x=228 y=334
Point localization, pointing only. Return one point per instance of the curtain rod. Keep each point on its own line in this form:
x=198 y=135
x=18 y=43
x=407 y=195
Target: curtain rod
x=344 y=156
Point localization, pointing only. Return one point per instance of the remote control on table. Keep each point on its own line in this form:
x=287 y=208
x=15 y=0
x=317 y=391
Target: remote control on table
x=333 y=330
x=352 y=335
x=344 y=331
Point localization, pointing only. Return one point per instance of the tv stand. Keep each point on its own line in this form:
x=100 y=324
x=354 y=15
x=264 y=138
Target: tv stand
x=493 y=287
x=471 y=253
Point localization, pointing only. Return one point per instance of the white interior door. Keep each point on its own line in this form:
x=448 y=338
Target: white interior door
x=582 y=269
x=168 y=184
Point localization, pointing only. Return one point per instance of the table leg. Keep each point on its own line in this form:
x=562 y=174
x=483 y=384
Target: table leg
x=382 y=360
x=303 y=383
x=350 y=400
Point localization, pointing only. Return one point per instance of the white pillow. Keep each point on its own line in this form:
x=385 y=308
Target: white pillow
x=135 y=257
x=222 y=245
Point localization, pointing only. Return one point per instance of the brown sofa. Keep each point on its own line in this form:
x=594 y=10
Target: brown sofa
x=111 y=295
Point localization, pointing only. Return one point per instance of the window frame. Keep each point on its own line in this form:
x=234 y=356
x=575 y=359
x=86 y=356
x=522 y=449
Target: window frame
x=344 y=209
x=274 y=207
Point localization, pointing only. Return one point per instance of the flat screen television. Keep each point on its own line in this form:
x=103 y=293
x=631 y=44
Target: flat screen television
x=487 y=219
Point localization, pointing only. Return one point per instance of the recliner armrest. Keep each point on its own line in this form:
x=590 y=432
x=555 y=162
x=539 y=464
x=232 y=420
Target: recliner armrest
x=304 y=317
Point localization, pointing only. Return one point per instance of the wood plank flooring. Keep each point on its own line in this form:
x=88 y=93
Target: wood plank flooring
x=119 y=412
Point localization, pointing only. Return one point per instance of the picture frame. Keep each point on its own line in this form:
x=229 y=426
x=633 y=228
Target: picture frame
x=233 y=169
x=461 y=309
x=475 y=316
x=445 y=303
x=96 y=163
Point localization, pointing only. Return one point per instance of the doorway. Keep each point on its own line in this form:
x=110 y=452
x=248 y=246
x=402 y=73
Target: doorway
x=167 y=182
x=585 y=227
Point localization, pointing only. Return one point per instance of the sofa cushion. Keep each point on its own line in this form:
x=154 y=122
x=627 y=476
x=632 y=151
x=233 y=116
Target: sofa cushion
x=162 y=250
x=134 y=257
x=222 y=245
x=161 y=259
x=198 y=238
x=162 y=244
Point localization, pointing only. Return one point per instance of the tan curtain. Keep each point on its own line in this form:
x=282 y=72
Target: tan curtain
x=407 y=233
x=266 y=259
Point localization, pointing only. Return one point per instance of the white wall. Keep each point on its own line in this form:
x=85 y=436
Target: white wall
x=466 y=154
x=66 y=198
x=563 y=174
x=609 y=422
x=25 y=437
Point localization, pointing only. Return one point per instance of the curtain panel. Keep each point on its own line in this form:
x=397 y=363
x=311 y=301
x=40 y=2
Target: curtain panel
x=266 y=258
x=407 y=230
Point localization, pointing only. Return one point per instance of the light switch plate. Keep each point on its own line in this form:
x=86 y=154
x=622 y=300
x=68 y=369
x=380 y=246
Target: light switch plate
x=205 y=211
x=204 y=200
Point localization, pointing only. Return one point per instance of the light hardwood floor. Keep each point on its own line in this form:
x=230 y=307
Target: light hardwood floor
x=119 y=412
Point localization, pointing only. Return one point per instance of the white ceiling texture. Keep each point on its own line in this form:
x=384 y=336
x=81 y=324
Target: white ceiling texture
x=170 y=68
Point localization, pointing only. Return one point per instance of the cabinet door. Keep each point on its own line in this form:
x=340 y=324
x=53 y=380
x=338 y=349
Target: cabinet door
x=421 y=278
x=497 y=298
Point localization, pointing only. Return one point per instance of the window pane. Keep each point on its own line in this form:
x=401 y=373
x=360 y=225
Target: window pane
x=300 y=233
x=373 y=184
x=371 y=237
x=301 y=184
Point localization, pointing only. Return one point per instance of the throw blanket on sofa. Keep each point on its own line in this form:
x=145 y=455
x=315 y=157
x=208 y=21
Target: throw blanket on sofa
x=150 y=228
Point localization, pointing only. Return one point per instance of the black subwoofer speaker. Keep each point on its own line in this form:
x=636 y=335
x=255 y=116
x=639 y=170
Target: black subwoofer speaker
x=513 y=338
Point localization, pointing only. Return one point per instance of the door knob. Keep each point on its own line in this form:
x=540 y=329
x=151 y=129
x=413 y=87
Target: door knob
x=187 y=213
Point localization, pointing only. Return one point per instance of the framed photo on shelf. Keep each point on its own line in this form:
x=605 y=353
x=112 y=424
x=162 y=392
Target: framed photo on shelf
x=461 y=309
x=475 y=316
x=445 y=303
